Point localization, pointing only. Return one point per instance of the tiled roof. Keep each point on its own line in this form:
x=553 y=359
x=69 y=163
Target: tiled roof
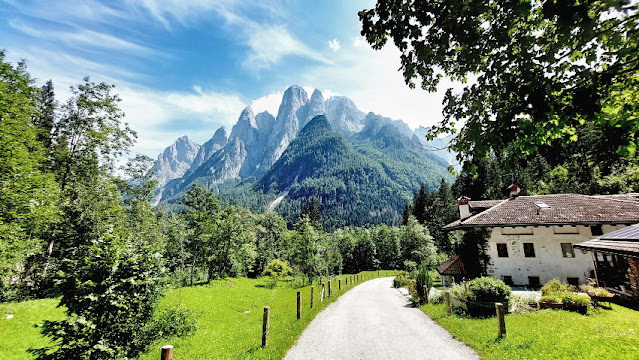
x=452 y=266
x=621 y=242
x=558 y=209
x=484 y=204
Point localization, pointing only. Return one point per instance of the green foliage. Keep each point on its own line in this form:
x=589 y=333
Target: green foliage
x=28 y=194
x=552 y=298
x=417 y=244
x=435 y=210
x=575 y=299
x=488 y=289
x=556 y=286
x=592 y=290
x=277 y=268
x=422 y=279
x=473 y=250
x=546 y=335
x=545 y=68
x=400 y=281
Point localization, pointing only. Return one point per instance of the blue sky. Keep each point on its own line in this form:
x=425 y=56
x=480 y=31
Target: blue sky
x=187 y=67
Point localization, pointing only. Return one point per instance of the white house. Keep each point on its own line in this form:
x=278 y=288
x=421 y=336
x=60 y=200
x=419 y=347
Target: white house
x=531 y=237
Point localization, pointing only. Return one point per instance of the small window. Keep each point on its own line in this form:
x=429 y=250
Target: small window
x=507 y=279
x=596 y=230
x=529 y=250
x=502 y=250
x=533 y=281
x=574 y=281
x=567 y=250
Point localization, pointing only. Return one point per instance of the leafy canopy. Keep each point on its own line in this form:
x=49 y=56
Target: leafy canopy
x=539 y=69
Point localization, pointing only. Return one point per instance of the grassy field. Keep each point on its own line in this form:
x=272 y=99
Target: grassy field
x=20 y=326
x=548 y=334
x=229 y=320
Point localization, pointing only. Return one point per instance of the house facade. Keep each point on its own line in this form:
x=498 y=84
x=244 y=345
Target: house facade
x=531 y=238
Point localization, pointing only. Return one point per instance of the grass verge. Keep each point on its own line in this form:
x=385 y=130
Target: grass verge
x=548 y=334
x=229 y=319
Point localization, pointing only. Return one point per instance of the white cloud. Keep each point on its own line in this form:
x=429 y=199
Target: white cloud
x=334 y=45
x=270 y=44
x=270 y=103
x=81 y=37
x=359 y=42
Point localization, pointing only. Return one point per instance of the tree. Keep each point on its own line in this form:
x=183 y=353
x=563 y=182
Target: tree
x=89 y=135
x=109 y=277
x=417 y=244
x=312 y=211
x=28 y=194
x=46 y=112
x=538 y=69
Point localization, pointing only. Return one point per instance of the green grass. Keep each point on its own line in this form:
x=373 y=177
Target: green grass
x=548 y=334
x=229 y=320
x=22 y=331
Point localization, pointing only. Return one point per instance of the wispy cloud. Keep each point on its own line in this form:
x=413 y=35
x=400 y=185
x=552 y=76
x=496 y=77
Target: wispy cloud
x=270 y=44
x=81 y=37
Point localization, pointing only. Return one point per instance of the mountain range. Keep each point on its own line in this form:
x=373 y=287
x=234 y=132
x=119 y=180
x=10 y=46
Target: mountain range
x=362 y=167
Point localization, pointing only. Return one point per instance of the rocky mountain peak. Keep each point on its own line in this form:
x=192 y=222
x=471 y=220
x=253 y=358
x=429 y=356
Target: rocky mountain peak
x=344 y=115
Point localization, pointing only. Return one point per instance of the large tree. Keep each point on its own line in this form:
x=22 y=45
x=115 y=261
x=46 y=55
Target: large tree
x=537 y=69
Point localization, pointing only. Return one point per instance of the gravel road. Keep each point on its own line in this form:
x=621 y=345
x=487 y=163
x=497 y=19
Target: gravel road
x=374 y=321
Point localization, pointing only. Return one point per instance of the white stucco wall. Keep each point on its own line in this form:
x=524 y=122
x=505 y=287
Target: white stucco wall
x=549 y=261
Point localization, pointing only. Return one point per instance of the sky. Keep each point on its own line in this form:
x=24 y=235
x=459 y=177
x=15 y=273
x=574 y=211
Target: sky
x=188 y=67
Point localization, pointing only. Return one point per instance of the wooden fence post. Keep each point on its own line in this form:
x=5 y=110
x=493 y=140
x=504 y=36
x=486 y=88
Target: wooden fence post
x=330 y=289
x=265 y=325
x=167 y=352
x=323 y=291
x=499 y=307
x=299 y=305
x=425 y=294
x=447 y=297
x=312 y=295
x=346 y=279
x=339 y=284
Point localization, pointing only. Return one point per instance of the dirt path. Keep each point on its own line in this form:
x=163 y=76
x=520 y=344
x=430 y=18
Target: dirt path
x=374 y=321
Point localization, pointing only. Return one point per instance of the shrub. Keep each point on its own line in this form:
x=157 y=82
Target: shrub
x=556 y=286
x=400 y=281
x=276 y=269
x=593 y=290
x=551 y=298
x=487 y=289
x=423 y=279
x=575 y=299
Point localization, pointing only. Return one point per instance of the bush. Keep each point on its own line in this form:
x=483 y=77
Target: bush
x=487 y=289
x=551 y=298
x=596 y=291
x=556 y=286
x=423 y=279
x=400 y=281
x=276 y=269
x=575 y=299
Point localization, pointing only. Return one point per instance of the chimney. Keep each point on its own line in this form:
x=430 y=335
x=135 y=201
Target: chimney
x=514 y=190
x=464 y=208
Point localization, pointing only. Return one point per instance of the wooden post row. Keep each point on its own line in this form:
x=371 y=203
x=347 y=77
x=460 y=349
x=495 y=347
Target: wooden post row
x=299 y=305
x=265 y=325
x=323 y=292
x=339 y=284
x=167 y=352
x=425 y=294
x=447 y=297
x=312 y=295
x=330 y=289
x=499 y=307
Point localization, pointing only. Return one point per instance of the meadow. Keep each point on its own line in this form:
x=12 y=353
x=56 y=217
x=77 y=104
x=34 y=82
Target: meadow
x=548 y=334
x=229 y=319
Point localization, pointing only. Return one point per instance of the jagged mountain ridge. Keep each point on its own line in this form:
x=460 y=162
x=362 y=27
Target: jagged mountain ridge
x=257 y=142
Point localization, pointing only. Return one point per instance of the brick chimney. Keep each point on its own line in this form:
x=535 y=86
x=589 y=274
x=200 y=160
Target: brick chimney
x=514 y=190
x=464 y=208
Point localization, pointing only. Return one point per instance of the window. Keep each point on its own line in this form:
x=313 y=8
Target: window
x=533 y=281
x=567 y=250
x=507 y=279
x=595 y=230
x=574 y=281
x=502 y=250
x=529 y=250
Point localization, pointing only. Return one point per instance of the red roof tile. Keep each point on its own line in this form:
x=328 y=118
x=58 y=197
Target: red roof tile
x=558 y=209
x=452 y=266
